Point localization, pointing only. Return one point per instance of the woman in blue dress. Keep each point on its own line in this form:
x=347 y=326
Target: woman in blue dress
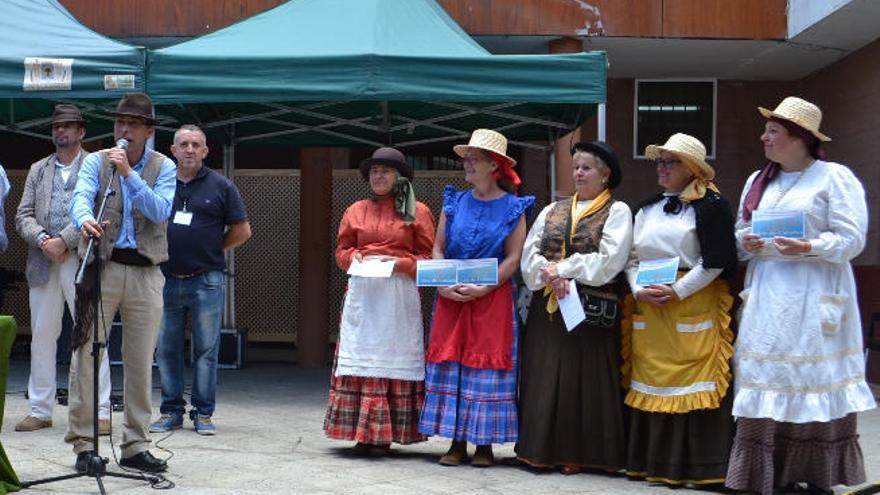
x=470 y=381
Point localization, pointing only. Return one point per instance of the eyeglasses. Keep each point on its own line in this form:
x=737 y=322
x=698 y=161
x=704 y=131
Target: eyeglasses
x=666 y=164
x=472 y=159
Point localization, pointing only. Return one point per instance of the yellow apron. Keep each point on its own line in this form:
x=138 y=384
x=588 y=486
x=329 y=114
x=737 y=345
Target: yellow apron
x=676 y=358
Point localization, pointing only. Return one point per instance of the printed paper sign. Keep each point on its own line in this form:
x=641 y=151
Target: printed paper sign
x=778 y=223
x=47 y=74
x=441 y=273
x=118 y=81
x=660 y=271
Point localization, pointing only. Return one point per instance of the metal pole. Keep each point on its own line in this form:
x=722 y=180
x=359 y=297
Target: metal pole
x=229 y=172
x=601 y=122
x=551 y=154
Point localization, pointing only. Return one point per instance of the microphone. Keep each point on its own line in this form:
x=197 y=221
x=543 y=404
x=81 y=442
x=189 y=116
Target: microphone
x=122 y=143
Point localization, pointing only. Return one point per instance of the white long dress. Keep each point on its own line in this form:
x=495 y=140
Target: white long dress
x=799 y=355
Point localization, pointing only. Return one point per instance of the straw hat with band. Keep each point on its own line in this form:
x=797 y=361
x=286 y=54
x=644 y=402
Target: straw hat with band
x=604 y=152
x=404 y=194
x=800 y=112
x=692 y=153
x=65 y=112
x=136 y=105
x=496 y=145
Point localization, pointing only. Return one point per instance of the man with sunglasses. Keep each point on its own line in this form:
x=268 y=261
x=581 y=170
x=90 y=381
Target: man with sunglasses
x=44 y=224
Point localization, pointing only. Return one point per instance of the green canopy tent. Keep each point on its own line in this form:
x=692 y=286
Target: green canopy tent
x=47 y=55
x=374 y=72
x=366 y=72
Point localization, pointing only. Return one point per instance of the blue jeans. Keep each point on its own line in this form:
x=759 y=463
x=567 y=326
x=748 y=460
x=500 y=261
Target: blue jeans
x=202 y=297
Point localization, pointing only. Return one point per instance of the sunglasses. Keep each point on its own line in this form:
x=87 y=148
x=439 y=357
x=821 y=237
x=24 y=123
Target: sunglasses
x=666 y=164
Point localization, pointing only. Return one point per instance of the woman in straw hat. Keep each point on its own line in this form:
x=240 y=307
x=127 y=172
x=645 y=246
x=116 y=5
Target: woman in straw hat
x=377 y=387
x=571 y=405
x=799 y=371
x=677 y=340
x=471 y=376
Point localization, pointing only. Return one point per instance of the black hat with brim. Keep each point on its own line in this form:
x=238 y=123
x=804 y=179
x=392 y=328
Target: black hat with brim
x=606 y=153
x=390 y=157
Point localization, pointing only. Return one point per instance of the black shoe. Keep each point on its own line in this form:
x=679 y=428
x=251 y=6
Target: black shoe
x=144 y=462
x=82 y=460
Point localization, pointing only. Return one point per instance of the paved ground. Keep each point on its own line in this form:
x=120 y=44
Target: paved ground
x=270 y=441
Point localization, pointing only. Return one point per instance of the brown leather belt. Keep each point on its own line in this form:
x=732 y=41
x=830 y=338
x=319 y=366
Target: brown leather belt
x=129 y=257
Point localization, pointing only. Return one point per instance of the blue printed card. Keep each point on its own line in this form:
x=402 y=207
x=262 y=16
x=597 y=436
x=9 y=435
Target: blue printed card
x=778 y=223
x=657 y=272
x=479 y=272
x=435 y=273
x=441 y=273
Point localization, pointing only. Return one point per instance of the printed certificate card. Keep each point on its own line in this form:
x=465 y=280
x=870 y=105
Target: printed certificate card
x=778 y=223
x=479 y=272
x=435 y=273
x=659 y=271
x=440 y=273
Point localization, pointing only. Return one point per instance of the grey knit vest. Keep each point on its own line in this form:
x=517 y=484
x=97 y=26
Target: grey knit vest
x=62 y=193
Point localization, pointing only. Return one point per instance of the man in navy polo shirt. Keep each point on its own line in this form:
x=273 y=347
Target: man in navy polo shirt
x=207 y=218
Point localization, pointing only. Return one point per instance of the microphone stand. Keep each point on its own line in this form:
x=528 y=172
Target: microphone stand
x=97 y=466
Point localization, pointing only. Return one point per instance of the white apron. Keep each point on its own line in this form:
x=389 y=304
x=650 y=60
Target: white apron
x=381 y=333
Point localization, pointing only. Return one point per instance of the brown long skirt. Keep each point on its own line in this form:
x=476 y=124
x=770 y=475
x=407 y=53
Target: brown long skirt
x=768 y=454
x=571 y=401
x=690 y=448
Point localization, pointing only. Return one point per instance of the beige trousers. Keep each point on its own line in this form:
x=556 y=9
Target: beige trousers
x=136 y=292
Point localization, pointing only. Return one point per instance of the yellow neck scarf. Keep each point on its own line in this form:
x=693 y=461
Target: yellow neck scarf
x=598 y=203
x=702 y=181
x=697 y=189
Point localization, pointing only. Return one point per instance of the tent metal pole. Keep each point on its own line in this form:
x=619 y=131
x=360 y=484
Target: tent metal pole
x=601 y=122
x=229 y=172
x=551 y=158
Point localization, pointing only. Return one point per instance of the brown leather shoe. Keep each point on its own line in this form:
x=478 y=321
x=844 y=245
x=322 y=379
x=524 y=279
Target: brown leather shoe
x=483 y=456
x=104 y=427
x=33 y=423
x=456 y=454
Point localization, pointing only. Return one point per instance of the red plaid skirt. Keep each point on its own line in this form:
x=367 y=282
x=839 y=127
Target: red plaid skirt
x=376 y=411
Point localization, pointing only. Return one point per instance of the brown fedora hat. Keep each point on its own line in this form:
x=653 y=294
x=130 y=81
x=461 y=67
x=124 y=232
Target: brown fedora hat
x=65 y=112
x=136 y=105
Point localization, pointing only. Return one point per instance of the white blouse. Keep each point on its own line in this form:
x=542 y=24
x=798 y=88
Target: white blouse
x=658 y=234
x=594 y=269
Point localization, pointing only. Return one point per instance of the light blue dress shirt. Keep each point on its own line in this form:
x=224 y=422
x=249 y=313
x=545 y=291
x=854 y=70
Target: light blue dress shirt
x=155 y=203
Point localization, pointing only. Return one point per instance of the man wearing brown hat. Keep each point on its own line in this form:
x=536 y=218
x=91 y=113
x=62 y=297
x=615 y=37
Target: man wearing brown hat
x=132 y=241
x=43 y=223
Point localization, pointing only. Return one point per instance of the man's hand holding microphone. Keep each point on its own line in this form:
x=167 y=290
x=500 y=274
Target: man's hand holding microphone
x=119 y=160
